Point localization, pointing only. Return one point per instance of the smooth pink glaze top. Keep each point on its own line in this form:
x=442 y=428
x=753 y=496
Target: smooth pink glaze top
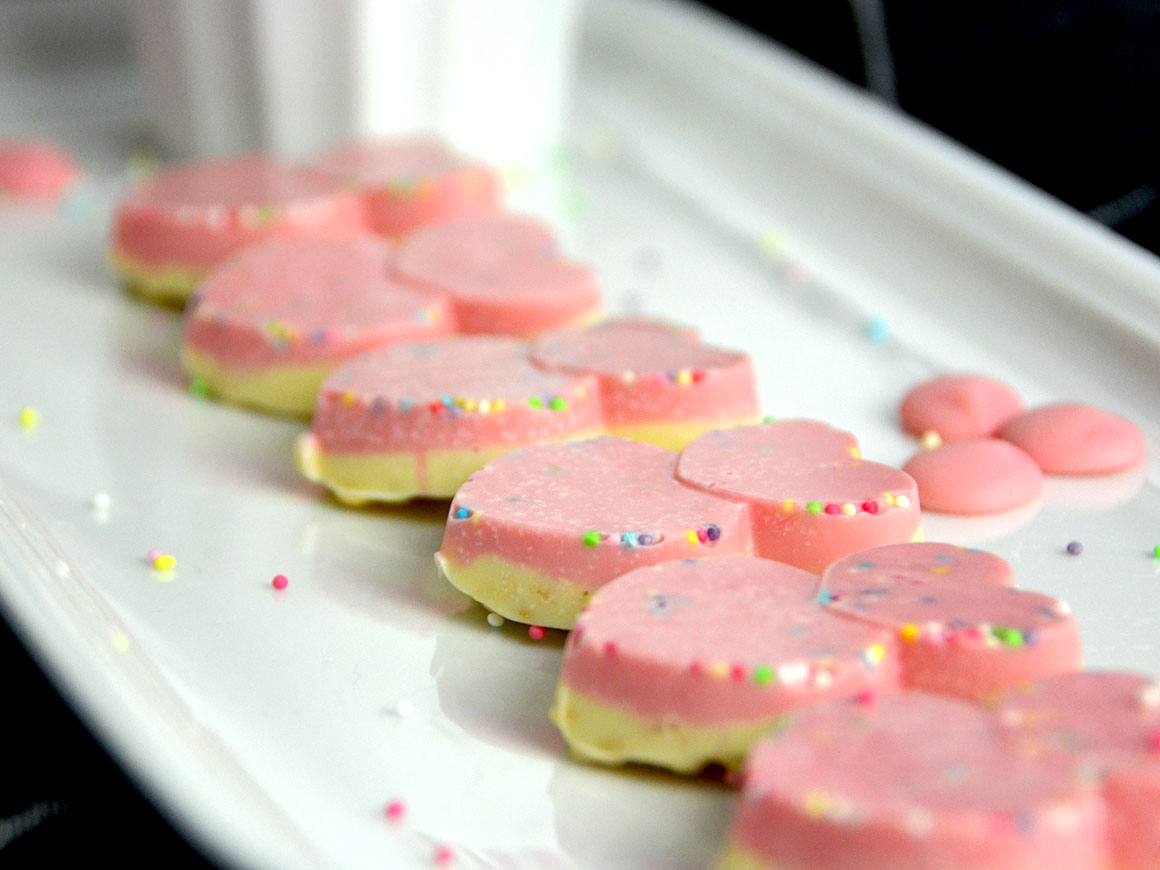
x=1073 y=438
x=35 y=170
x=969 y=635
x=959 y=406
x=193 y=216
x=716 y=641
x=652 y=371
x=799 y=476
x=1110 y=722
x=538 y=506
x=920 y=562
x=975 y=476
x=408 y=183
x=443 y=394
x=913 y=780
x=307 y=302
x=504 y=275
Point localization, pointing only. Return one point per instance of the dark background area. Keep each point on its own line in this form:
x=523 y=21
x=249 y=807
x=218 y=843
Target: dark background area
x=1065 y=94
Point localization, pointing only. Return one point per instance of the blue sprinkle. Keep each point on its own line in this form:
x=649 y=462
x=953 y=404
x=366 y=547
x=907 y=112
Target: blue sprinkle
x=406 y=405
x=447 y=403
x=944 y=557
x=865 y=564
x=462 y=513
x=825 y=597
x=877 y=330
x=628 y=539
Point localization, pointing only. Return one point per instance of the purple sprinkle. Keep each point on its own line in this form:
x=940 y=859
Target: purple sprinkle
x=377 y=405
x=713 y=533
x=644 y=540
x=1075 y=548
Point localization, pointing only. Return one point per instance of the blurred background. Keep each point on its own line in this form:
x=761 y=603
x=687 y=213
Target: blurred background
x=1065 y=94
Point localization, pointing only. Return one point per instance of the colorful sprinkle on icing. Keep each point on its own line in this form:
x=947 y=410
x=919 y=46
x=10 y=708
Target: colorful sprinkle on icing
x=930 y=440
x=814 y=507
x=592 y=538
x=1011 y=637
x=444 y=856
x=763 y=675
x=463 y=513
x=909 y=633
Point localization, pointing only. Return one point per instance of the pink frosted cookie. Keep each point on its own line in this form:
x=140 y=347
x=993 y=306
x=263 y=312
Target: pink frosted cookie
x=1072 y=438
x=959 y=406
x=169 y=231
x=419 y=418
x=534 y=533
x=657 y=384
x=812 y=498
x=910 y=781
x=684 y=663
x=963 y=631
x=36 y=171
x=1110 y=722
x=406 y=184
x=267 y=325
x=504 y=275
x=975 y=476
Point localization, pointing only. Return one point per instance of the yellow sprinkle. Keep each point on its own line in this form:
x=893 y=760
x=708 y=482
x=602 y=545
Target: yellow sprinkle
x=788 y=505
x=121 y=642
x=888 y=497
x=691 y=536
x=720 y=670
x=876 y=652
x=684 y=377
x=816 y=803
x=909 y=633
x=29 y=418
x=940 y=570
x=164 y=563
x=931 y=439
x=855 y=452
x=498 y=405
x=848 y=510
x=348 y=398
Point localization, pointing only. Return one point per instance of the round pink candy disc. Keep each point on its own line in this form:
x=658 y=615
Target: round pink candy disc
x=979 y=476
x=1073 y=438
x=959 y=406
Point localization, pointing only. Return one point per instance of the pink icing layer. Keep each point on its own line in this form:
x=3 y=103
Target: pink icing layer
x=423 y=396
x=589 y=511
x=720 y=641
x=307 y=302
x=798 y=477
x=976 y=476
x=1072 y=438
x=406 y=184
x=194 y=216
x=35 y=170
x=1111 y=722
x=963 y=633
x=503 y=274
x=649 y=372
x=912 y=781
x=959 y=406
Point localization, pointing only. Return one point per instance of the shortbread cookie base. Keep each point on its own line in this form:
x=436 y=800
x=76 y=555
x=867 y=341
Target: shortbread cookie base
x=517 y=592
x=358 y=478
x=168 y=285
x=290 y=390
x=674 y=436
x=600 y=732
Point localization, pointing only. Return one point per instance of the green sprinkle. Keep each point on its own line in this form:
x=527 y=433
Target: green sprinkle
x=199 y=387
x=1156 y=551
x=536 y=402
x=763 y=675
x=814 y=507
x=559 y=404
x=769 y=419
x=591 y=538
x=1010 y=636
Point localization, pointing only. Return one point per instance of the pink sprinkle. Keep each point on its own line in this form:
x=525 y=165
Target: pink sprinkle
x=395 y=810
x=696 y=668
x=155 y=554
x=536 y=632
x=444 y=856
x=280 y=582
x=1154 y=741
x=871 y=507
x=737 y=672
x=867 y=697
x=610 y=648
x=833 y=509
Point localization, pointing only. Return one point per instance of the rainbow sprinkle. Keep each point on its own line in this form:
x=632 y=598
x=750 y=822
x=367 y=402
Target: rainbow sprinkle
x=29 y=418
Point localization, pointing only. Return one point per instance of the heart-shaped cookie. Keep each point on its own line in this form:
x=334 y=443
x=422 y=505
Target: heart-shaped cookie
x=964 y=631
x=812 y=498
x=630 y=506
x=535 y=532
x=504 y=275
x=683 y=663
x=1110 y=722
x=911 y=781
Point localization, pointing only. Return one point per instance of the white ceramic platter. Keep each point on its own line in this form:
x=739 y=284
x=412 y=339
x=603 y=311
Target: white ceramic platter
x=713 y=180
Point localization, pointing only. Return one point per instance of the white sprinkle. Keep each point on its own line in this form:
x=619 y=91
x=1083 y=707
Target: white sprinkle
x=1149 y=696
x=404 y=708
x=795 y=673
x=101 y=501
x=902 y=501
x=494 y=620
x=919 y=823
x=62 y=569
